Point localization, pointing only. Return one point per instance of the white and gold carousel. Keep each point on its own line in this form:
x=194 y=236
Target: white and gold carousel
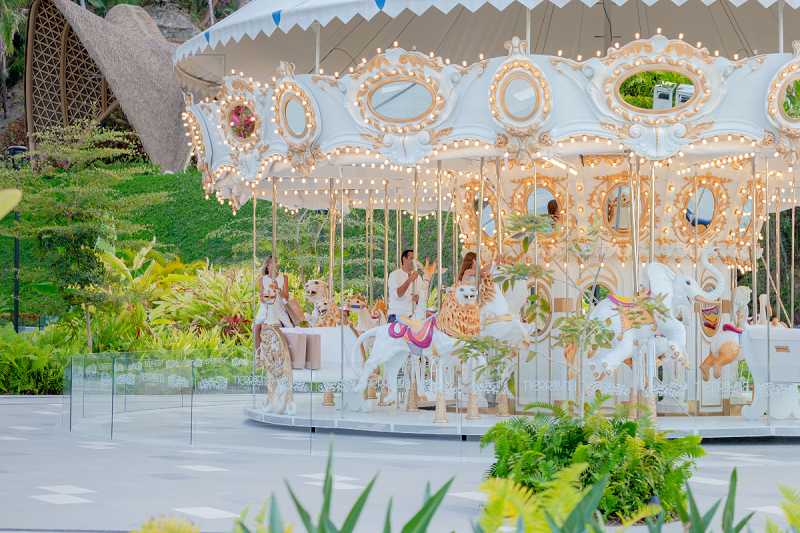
x=682 y=192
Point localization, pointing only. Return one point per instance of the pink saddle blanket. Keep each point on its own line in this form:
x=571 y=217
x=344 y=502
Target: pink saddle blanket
x=416 y=333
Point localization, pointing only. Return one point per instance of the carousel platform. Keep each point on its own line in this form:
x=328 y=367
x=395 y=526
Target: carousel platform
x=386 y=419
x=391 y=420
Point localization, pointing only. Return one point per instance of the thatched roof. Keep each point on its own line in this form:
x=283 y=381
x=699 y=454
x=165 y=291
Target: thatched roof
x=78 y=63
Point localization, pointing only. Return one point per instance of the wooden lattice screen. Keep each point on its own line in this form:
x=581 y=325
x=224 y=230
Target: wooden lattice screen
x=62 y=82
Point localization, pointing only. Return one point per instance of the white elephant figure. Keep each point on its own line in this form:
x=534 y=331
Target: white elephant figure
x=775 y=371
x=724 y=348
x=677 y=289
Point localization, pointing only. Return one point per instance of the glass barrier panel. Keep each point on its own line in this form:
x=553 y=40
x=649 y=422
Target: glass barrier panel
x=66 y=394
x=233 y=408
x=94 y=415
x=380 y=413
x=152 y=397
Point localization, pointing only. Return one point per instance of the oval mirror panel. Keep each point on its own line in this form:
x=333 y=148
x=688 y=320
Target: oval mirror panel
x=700 y=210
x=791 y=99
x=657 y=90
x=242 y=122
x=542 y=322
x=520 y=98
x=618 y=209
x=401 y=101
x=543 y=203
x=295 y=117
x=487 y=218
x=747 y=216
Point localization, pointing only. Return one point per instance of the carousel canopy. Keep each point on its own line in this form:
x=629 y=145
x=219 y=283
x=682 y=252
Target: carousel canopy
x=256 y=38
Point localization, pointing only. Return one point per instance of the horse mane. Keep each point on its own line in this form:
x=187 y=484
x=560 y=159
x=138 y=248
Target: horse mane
x=488 y=291
x=380 y=306
x=455 y=319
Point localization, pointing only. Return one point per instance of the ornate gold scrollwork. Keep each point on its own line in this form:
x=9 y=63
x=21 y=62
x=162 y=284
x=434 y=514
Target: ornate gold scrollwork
x=523 y=144
x=303 y=156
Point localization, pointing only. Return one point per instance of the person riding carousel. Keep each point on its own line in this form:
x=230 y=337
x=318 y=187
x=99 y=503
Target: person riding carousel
x=469 y=266
x=270 y=277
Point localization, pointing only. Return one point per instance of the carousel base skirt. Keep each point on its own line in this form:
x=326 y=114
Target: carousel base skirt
x=391 y=420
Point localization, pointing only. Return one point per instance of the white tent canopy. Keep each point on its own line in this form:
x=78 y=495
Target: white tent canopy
x=247 y=41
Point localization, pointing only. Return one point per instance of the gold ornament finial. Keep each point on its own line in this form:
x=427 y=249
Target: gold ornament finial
x=516 y=46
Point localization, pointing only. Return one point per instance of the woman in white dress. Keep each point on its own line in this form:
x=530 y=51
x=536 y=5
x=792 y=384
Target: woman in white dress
x=269 y=276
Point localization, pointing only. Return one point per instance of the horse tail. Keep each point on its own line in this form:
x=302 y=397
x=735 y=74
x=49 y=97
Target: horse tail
x=361 y=340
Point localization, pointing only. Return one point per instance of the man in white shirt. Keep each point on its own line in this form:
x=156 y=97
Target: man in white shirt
x=404 y=288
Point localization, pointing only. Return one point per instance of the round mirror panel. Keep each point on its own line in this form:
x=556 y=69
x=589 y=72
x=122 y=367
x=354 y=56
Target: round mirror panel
x=242 y=122
x=520 y=98
x=657 y=90
x=618 y=209
x=401 y=101
x=487 y=218
x=294 y=116
x=546 y=204
x=791 y=100
x=700 y=210
x=601 y=292
x=744 y=220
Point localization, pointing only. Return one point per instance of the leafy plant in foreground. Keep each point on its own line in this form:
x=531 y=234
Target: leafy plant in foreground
x=639 y=460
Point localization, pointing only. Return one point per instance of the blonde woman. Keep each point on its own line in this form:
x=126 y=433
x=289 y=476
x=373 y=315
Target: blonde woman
x=270 y=277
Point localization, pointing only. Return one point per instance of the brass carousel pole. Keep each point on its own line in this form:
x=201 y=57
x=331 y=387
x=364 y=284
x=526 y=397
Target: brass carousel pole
x=768 y=274
x=386 y=242
x=502 y=397
x=341 y=281
x=371 y=249
x=498 y=219
x=651 y=401
x=332 y=237
x=480 y=231
x=441 y=403
x=274 y=225
x=695 y=319
x=791 y=284
x=754 y=238
x=256 y=342
x=412 y=404
x=416 y=227
x=778 y=299
x=439 y=239
x=535 y=278
x=399 y=221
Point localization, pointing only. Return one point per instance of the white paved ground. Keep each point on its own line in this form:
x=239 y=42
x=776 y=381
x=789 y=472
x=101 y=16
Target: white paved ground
x=53 y=480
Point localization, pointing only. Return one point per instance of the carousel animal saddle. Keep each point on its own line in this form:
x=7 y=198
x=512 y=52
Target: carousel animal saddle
x=625 y=301
x=418 y=334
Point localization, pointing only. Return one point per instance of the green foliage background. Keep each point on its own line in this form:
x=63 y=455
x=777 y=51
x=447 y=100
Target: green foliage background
x=183 y=223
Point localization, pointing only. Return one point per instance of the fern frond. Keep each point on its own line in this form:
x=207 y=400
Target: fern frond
x=771 y=527
x=648 y=510
x=557 y=411
x=791 y=504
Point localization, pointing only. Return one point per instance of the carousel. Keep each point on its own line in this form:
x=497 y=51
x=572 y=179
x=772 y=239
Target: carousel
x=681 y=193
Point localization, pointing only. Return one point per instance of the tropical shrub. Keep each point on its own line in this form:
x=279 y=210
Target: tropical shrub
x=639 y=460
x=511 y=504
x=31 y=363
x=15 y=134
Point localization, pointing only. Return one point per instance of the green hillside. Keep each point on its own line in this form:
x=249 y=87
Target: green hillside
x=183 y=226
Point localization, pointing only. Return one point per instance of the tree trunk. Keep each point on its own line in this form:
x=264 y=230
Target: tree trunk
x=3 y=77
x=88 y=327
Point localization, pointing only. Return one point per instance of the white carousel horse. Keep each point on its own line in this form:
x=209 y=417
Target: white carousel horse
x=438 y=334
